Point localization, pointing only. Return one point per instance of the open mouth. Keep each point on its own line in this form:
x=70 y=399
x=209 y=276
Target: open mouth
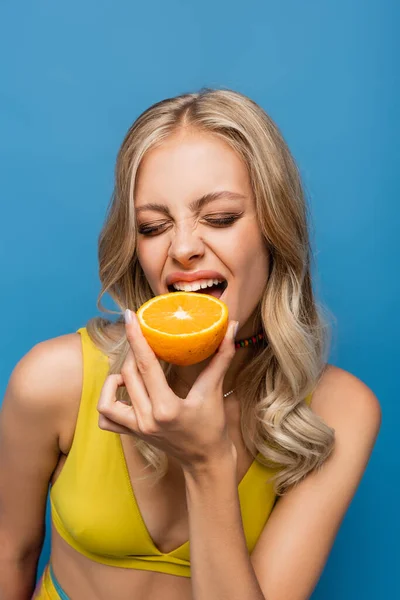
x=213 y=289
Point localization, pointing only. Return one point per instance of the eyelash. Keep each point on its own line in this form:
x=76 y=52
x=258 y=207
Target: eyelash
x=224 y=221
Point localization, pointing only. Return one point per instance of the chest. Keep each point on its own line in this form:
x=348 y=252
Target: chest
x=162 y=504
x=107 y=504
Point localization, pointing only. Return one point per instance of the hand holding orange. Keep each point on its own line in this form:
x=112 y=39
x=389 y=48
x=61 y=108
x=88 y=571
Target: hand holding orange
x=183 y=328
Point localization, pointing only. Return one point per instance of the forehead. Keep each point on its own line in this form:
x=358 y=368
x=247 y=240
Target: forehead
x=190 y=164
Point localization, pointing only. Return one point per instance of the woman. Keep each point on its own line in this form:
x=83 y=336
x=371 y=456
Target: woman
x=254 y=454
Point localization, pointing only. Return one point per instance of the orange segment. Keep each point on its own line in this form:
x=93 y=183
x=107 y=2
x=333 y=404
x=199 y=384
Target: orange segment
x=182 y=313
x=183 y=328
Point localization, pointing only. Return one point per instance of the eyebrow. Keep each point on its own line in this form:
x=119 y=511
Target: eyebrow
x=195 y=205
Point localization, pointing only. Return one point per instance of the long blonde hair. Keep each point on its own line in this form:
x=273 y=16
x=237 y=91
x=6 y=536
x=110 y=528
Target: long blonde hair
x=275 y=418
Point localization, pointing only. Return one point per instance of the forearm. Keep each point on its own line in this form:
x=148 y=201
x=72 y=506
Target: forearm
x=17 y=578
x=220 y=564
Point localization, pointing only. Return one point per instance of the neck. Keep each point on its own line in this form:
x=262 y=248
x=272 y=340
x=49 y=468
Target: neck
x=190 y=373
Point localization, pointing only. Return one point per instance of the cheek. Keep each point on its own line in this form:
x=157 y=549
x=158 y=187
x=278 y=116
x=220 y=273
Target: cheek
x=150 y=259
x=252 y=259
x=250 y=267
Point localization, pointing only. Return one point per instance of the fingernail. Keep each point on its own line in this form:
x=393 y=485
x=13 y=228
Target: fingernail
x=128 y=316
x=236 y=327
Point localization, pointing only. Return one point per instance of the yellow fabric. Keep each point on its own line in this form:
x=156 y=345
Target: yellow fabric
x=45 y=589
x=93 y=505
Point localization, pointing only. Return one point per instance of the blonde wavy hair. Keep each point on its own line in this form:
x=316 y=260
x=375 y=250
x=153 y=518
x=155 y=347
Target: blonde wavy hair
x=277 y=378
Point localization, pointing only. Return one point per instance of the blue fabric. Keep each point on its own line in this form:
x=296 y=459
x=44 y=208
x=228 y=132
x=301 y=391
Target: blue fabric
x=58 y=587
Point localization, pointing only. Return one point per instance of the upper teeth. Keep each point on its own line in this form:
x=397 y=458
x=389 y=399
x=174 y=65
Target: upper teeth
x=183 y=286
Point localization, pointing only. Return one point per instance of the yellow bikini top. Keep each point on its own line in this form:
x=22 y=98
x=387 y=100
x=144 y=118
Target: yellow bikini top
x=93 y=505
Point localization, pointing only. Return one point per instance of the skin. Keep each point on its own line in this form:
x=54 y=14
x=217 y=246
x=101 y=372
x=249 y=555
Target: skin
x=184 y=168
x=199 y=495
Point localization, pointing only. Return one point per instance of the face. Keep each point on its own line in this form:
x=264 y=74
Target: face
x=189 y=230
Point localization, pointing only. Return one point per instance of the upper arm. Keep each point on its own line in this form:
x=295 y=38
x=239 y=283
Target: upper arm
x=295 y=543
x=42 y=385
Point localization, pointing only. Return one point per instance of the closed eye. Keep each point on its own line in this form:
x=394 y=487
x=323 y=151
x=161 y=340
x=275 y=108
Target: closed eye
x=221 y=221
x=148 y=229
x=225 y=221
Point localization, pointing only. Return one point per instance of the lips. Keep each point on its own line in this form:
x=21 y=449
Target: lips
x=196 y=276
x=192 y=276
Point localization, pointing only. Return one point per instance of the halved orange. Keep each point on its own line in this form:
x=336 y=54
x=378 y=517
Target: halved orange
x=183 y=328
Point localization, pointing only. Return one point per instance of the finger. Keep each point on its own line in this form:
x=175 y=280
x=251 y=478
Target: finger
x=162 y=407
x=109 y=425
x=146 y=361
x=136 y=388
x=120 y=413
x=212 y=376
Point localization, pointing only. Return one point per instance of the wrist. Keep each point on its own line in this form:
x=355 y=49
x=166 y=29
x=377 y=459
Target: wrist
x=223 y=459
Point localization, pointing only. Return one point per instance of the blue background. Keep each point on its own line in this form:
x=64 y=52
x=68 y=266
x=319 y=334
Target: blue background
x=75 y=75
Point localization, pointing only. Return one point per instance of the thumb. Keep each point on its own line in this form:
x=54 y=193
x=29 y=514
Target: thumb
x=213 y=374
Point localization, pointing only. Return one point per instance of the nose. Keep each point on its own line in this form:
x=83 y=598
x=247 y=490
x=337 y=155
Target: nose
x=186 y=246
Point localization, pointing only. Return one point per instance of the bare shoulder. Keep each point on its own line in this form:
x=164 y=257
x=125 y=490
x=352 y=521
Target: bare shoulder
x=53 y=365
x=37 y=420
x=347 y=404
x=48 y=379
x=297 y=538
